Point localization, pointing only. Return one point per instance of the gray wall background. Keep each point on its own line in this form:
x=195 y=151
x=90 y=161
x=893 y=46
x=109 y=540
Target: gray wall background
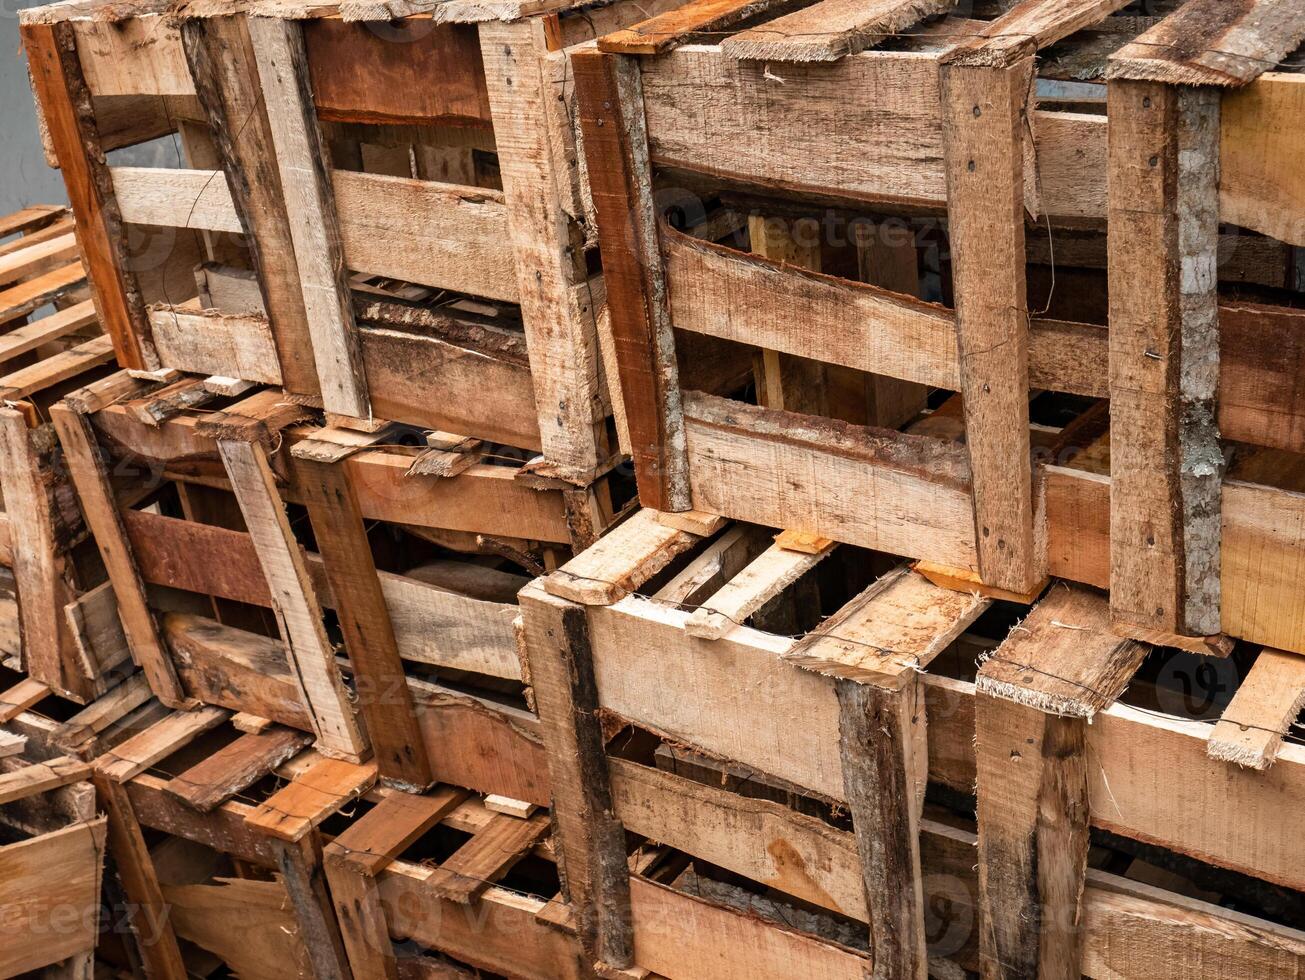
x=25 y=178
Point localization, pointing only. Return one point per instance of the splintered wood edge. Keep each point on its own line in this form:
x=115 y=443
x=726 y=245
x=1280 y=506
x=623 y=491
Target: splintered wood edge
x=1219 y=645
x=697 y=522
x=964 y=580
x=1044 y=701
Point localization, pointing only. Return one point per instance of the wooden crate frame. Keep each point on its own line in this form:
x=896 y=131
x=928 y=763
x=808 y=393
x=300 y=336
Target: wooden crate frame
x=50 y=888
x=982 y=507
x=61 y=608
x=456 y=907
x=838 y=714
x=259 y=446
x=476 y=79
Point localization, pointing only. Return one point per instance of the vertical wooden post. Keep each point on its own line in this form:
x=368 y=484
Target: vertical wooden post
x=282 y=63
x=147 y=912
x=983 y=138
x=557 y=309
x=225 y=71
x=610 y=99
x=595 y=877
x=878 y=746
x=1035 y=695
x=383 y=694
x=294 y=600
x=70 y=119
x=1166 y=467
x=300 y=864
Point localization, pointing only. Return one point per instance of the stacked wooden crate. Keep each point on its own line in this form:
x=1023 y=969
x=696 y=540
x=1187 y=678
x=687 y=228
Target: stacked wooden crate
x=940 y=397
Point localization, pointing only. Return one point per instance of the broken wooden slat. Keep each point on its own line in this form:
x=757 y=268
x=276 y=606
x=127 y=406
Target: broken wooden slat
x=1032 y=25
x=282 y=64
x=769 y=574
x=1166 y=463
x=294 y=810
x=487 y=857
x=41 y=777
x=235 y=766
x=983 y=136
x=611 y=113
x=1250 y=732
x=1034 y=698
x=695 y=20
x=20 y=697
x=138 y=753
x=620 y=562
x=294 y=600
x=1213 y=42
x=715 y=565
x=830 y=29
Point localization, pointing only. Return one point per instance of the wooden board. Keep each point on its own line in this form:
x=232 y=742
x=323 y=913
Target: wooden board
x=830 y=29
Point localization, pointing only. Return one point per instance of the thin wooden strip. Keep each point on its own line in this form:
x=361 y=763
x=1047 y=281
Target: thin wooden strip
x=46 y=330
x=1251 y=729
x=830 y=29
x=694 y=20
x=232 y=768
x=138 y=753
x=765 y=577
x=41 y=777
x=310 y=798
x=37 y=258
x=20 y=300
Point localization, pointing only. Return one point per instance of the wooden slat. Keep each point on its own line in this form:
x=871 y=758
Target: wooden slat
x=46 y=330
x=282 y=65
x=1166 y=463
x=612 y=113
x=1255 y=189
x=130 y=758
x=1251 y=729
x=531 y=130
x=620 y=562
x=30 y=219
x=41 y=777
x=488 y=856
x=1213 y=42
x=70 y=120
x=37 y=258
x=223 y=65
x=364 y=618
x=830 y=29
x=100 y=507
x=765 y=577
x=20 y=300
x=232 y=768
x=1031 y=25
x=696 y=20
x=983 y=133
x=294 y=810
x=294 y=598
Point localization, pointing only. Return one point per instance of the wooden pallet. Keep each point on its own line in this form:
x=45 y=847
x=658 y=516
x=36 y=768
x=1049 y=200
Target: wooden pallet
x=52 y=853
x=437 y=154
x=778 y=243
x=55 y=599
x=715 y=644
x=242 y=581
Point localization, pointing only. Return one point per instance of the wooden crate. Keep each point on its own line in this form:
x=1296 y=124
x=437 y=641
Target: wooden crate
x=56 y=612
x=470 y=878
x=326 y=155
x=723 y=644
x=51 y=856
x=757 y=214
x=269 y=554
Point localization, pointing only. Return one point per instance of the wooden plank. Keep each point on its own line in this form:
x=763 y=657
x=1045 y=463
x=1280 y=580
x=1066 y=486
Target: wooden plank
x=769 y=574
x=1031 y=25
x=17 y=699
x=139 y=54
x=54 y=327
x=1034 y=697
x=313 y=795
x=530 y=131
x=465 y=875
x=30 y=219
x=695 y=20
x=282 y=65
x=40 y=568
x=830 y=29
x=70 y=120
x=223 y=64
x=1256 y=135
x=235 y=766
x=130 y=758
x=294 y=600
x=38 y=258
x=1271 y=696
x=592 y=840
x=897 y=626
x=1210 y=42
x=100 y=508
x=723 y=293
x=713 y=942
x=620 y=562
x=175 y=198
x=364 y=618
x=1166 y=463
x=907 y=495
x=55 y=370
x=41 y=777
x=983 y=142
x=49 y=889
x=612 y=114
x=26 y=297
